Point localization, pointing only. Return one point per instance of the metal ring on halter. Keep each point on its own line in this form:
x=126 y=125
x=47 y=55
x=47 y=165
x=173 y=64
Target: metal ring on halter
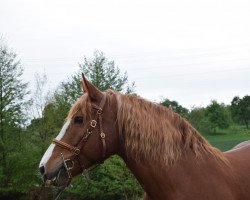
x=99 y=111
x=93 y=123
x=75 y=150
x=72 y=162
x=67 y=168
x=102 y=135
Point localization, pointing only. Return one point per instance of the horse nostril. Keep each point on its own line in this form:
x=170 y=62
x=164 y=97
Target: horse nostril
x=42 y=170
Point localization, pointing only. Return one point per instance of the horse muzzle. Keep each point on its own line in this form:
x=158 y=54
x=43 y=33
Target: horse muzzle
x=59 y=177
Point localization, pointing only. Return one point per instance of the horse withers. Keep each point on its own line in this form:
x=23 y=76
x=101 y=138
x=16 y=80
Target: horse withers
x=170 y=159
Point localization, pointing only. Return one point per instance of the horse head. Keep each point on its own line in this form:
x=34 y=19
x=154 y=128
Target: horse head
x=89 y=136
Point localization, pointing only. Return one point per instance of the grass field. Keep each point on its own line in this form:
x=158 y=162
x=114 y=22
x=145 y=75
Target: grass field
x=226 y=139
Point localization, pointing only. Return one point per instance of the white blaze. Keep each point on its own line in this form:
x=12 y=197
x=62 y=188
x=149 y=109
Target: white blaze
x=49 y=151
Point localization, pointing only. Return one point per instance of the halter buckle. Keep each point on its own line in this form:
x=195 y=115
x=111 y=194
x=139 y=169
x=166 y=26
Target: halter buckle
x=67 y=168
x=75 y=150
x=93 y=123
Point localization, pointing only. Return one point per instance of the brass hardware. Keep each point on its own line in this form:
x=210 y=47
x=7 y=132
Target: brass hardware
x=85 y=137
x=93 y=123
x=102 y=135
x=67 y=168
x=75 y=150
x=99 y=112
x=89 y=132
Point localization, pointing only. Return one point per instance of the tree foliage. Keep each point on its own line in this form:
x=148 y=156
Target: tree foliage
x=241 y=110
x=104 y=74
x=112 y=181
x=217 y=116
x=198 y=118
x=211 y=118
x=175 y=106
x=13 y=103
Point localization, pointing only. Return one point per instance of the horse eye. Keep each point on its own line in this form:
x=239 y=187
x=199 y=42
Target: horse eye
x=78 y=120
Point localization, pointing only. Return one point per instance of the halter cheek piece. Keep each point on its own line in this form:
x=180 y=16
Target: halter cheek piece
x=76 y=150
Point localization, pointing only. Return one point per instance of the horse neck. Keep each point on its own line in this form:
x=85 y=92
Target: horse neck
x=161 y=159
x=187 y=172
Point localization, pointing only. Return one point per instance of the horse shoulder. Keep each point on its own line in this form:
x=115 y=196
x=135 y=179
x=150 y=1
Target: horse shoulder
x=239 y=158
x=240 y=152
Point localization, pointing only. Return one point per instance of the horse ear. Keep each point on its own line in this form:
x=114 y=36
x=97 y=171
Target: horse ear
x=94 y=93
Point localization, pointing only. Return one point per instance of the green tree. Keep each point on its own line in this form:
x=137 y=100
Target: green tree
x=240 y=109
x=112 y=181
x=175 y=106
x=198 y=118
x=217 y=115
x=13 y=101
x=104 y=74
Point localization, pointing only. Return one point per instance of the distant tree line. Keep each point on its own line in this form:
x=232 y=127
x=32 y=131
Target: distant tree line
x=29 y=122
x=216 y=115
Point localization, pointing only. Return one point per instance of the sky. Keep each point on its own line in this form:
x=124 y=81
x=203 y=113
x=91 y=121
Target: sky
x=191 y=51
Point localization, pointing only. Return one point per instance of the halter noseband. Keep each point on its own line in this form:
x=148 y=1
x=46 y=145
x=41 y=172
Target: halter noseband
x=87 y=132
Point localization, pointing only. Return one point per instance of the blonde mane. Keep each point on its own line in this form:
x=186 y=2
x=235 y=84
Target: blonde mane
x=155 y=133
x=151 y=131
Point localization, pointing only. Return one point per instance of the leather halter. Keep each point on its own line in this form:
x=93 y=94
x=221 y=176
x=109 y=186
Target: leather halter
x=76 y=150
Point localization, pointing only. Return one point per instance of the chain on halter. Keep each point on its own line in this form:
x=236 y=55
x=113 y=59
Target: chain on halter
x=76 y=150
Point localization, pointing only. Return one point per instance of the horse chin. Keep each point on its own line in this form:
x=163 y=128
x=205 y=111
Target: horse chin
x=62 y=178
x=59 y=178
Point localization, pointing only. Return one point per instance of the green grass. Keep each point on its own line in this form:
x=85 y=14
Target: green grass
x=226 y=139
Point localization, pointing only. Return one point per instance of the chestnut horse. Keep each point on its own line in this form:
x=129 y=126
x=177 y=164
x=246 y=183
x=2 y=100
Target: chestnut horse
x=170 y=159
